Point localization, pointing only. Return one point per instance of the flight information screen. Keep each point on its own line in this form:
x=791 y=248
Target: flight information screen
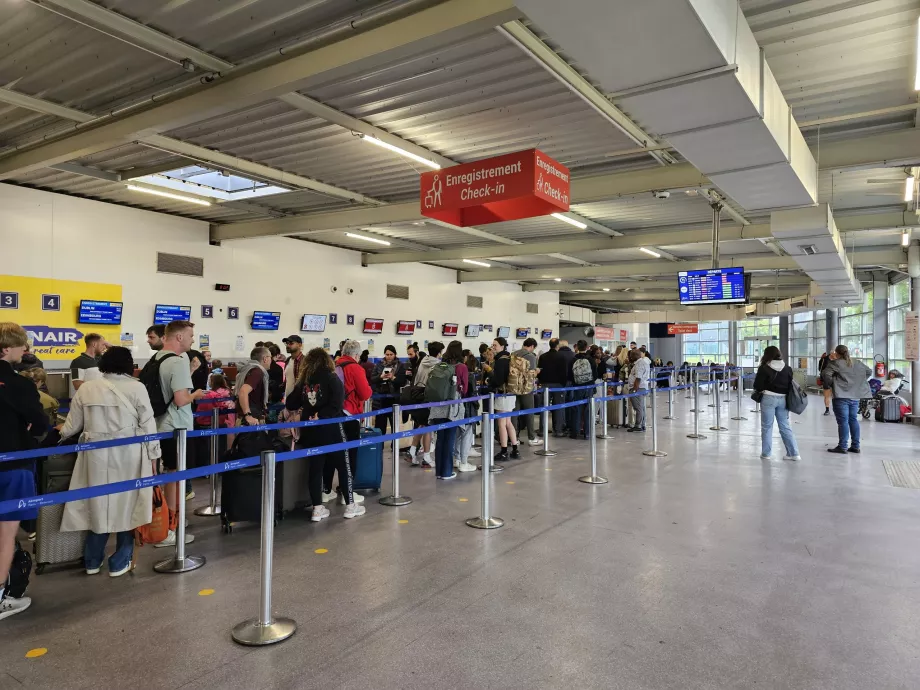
x=265 y=320
x=102 y=313
x=712 y=286
x=167 y=313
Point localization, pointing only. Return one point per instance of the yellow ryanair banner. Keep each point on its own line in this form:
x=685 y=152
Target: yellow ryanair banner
x=49 y=310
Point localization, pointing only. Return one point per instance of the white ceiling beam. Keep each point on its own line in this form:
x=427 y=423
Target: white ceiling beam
x=757 y=280
x=436 y=25
x=38 y=105
x=547 y=58
x=664 y=295
x=77 y=169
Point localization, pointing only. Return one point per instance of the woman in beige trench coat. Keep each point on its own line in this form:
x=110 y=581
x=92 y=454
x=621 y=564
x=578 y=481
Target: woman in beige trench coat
x=114 y=406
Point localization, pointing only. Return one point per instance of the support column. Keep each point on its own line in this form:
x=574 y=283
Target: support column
x=784 y=337
x=832 y=335
x=914 y=365
x=733 y=342
x=880 y=314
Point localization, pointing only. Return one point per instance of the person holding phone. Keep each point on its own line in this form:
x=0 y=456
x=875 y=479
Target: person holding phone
x=388 y=376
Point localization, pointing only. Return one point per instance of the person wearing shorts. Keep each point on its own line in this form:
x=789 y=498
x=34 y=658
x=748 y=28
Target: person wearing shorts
x=497 y=382
x=21 y=420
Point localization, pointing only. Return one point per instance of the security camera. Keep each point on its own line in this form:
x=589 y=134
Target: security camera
x=662 y=195
x=334 y=289
x=351 y=291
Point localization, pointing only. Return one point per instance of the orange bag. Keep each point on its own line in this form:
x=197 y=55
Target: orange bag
x=158 y=529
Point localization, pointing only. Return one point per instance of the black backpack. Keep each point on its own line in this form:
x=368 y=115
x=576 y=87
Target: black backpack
x=150 y=377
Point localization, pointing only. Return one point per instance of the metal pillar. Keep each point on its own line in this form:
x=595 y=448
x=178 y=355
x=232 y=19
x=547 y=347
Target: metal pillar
x=213 y=507
x=654 y=452
x=696 y=407
x=545 y=451
x=180 y=563
x=718 y=425
x=739 y=416
x=592 y=478
x=716 y=226
x=602 y=389
x=265 y=629
x=395 y=499
x=486 y=520
x=670 y=414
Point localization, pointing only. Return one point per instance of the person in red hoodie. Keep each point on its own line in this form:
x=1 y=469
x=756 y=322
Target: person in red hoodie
x=357 y=390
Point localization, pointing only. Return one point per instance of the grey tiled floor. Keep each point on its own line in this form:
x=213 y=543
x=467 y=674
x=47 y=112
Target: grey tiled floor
x=704 y=569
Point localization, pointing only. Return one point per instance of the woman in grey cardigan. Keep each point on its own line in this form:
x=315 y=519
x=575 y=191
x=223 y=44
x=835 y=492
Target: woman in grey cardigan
x=849 y=381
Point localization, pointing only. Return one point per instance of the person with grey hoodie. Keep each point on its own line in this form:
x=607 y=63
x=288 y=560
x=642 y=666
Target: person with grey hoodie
x=849 y=381
x=773 y=380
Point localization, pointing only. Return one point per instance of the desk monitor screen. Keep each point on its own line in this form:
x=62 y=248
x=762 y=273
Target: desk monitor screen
x=100 y=312
x=166 y=313
x=450 y=329
x=503 y=332
x=373 y=326
x=313 y=323
x=405 y=328
x=472 y=330
x=546 y=335
x=265 y=320
x=712 y=286
x=522 y=332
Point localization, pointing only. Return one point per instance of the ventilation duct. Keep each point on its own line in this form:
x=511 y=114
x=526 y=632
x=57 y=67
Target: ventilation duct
x=691 y=72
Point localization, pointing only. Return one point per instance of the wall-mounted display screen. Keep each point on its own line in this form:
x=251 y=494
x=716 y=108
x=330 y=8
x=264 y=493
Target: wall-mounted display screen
x=99 y=312
x=472 y=330
x=546 y=334
x=405 y=328
x=166 y=313
x=265 y=320
x=712 y=286
x=373 y=326
x=450 y=329
x=313 y=323
x=522 y=332
x=503 y=332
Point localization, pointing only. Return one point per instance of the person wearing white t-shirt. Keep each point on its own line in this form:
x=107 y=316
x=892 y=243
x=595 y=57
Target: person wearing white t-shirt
x=639 y=372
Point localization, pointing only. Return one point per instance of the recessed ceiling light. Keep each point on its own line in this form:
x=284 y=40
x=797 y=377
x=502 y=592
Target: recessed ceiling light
x=909 y=189
x=168 y=195
x=606 y=289
x=367 y=239
x=558 y=280
x=650 y=252
x=571 y=221
x=477 y=263
x=401 y=152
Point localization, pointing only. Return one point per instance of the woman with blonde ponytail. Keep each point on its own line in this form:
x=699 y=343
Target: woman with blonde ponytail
x=849 y=380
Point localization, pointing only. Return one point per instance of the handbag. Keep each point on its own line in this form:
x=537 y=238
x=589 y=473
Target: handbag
x=158 y=528
x=796 y=399
x=757 y=396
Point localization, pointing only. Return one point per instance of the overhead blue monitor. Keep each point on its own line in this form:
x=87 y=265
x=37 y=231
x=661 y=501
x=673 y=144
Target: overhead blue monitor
x=167 y=313
x=712 y=286
x=99 y=312
x=265 y=320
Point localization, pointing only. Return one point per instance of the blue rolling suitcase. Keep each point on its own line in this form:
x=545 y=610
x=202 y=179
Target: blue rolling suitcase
x=368 y=464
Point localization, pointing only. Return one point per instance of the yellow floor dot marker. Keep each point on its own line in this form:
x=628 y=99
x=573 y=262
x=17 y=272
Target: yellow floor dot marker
x=35 y=653
x=509 y=482
x=464 y=500
x=205 y=592
x=321 y=551
x=403 y=522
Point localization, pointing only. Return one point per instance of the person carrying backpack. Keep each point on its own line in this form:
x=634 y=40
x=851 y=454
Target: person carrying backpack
x=582 y=372
x=498 y=383
x=448 y=380
x=357 y=391
x=521 y=377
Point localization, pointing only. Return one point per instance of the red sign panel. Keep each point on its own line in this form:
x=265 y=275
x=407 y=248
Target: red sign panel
x=517 y=185
x=603 y=333
x=373 y=326
x=682 y=328
x=450 y=329
x=624 y=334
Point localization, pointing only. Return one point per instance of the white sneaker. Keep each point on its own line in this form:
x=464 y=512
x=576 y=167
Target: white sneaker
x=534 y=442
x=452 y=476
x=426 y=460
x=765 y=457
x=319 y=513
x=118 y=573
x=413 y=450
x=474 y=453
x=793 y=458
x=171 y=540
x=358 y=498
x=328 y=497
x=354 y=510
x=93 y=571
x=10 y=606
x=466 y=467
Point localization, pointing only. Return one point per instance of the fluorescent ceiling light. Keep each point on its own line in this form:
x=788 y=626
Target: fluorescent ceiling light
x=401 y=152
x=570 y=221
x=650 y=252
x=905 y=238
x=558 y=280
x=477 y=263
x=909 y=189
x=606 y=289
x=168 y=195
x=367 y=239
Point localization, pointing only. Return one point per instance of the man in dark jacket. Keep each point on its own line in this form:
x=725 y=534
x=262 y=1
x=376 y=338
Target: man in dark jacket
x=21 y=420
x=552 y=375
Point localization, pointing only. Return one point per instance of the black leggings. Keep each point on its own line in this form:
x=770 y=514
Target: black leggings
x=323 y=467
x=340 y=433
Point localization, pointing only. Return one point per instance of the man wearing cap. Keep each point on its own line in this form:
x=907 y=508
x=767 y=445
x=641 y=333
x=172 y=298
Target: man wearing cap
x=294 y=346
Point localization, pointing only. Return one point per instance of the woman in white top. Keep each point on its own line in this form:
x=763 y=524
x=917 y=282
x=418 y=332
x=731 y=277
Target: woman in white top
x=113 y=406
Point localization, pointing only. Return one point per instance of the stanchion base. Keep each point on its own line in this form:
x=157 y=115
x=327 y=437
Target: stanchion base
x=740 y=419
x=695 y=436
x=545 y=453
x=395 y=501
x=208 y=511
x=655 y=453
x=487 y=523
x=669 y=417
x=494 y=468
x=603 y=437
x=253 y=634
x=174 y=565
x=718 y=428
x=592 y=479
x=712 y=404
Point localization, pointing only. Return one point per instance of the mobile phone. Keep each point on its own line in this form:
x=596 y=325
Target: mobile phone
x=388 y=370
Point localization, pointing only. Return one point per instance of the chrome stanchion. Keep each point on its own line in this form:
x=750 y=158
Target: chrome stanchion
x=213 y=507
x=368 y=407
x=696 y=408
x=545 y=450
x=266 y=629
x=180 y=563
x=739 y=417
x=486 y=520
x=395 y=499
x=710 y=378
x=489 y=428
x=602 y=390
x=670 y=414
x=654 y=452
x=593 y=478
x=718 y=424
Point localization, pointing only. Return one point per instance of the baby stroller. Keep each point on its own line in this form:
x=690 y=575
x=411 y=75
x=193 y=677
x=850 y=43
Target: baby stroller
x=891 y=387
x=867 y=405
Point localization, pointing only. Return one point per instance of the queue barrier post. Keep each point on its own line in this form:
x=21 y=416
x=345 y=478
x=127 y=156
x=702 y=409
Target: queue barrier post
x=213 y=507
x=368 y=407
x=545 y=451
x=265 y=629
x=395 y=499
x=727 y=374
x=718 y=405
x=486 y=520
x=180 y=562
x=654 y=452
x=593 y=478
x=696 y=407
x=670 y=414
x=739 y=416
x=601 y=391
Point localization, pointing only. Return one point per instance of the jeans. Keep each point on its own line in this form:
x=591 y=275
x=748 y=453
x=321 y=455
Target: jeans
x=774 y=407
x=558 y=416
x=579 y=415
x=638 y=405
x=525 y=402
x=465 y=437
x=94 y=550
x=846 y=410
x=444 y=452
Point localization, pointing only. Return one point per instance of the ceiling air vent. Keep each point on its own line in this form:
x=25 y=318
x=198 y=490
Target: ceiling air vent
x=475 y=302
x=397 y=291
x=533 y=309
x=180 y=265
x=809 y=249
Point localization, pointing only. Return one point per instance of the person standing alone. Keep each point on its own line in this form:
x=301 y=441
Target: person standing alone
x=773 y=380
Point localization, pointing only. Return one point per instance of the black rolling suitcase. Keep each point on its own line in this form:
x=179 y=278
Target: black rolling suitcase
x=52 y=546
x=241 y=490
x=889 y=409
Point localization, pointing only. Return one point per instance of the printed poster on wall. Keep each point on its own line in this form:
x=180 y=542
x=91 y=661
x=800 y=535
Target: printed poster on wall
x=54 y=331
x=912 y=336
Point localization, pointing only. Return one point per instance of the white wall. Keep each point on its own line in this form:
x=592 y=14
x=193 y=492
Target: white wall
x=55 y=236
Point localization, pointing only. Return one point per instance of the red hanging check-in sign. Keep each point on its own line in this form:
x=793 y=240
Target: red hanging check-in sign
x=517 y=185
x=683 y=328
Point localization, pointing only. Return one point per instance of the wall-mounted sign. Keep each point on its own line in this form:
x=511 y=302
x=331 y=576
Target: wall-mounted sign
x=233 y=312
x=912 y=336
x=350 y=319
x=207 y=311
x=333 y=319
x=517 y=185
x=683 y=328
x=624 y=334
x=603 y=333
x=51 y=303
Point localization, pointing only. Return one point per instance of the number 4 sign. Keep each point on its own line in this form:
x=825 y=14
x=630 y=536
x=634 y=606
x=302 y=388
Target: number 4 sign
x=51 y=303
